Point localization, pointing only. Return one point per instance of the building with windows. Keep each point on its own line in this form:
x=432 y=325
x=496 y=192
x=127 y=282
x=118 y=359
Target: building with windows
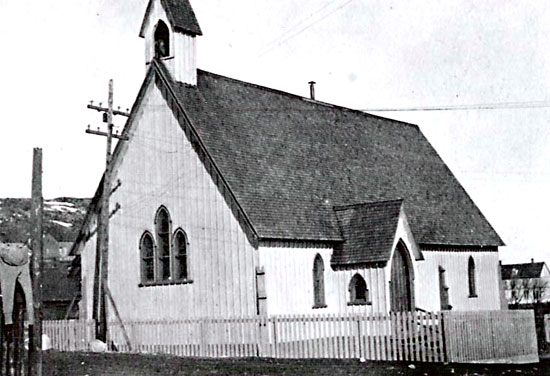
x=526 y=283
x=237 y=199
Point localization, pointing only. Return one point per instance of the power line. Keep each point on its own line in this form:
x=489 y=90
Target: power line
x=465 y=107
x=292 y=35
x=299 y=23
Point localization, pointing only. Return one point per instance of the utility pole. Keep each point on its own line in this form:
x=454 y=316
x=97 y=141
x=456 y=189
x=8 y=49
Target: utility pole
x=102 y=240
x=37 y=239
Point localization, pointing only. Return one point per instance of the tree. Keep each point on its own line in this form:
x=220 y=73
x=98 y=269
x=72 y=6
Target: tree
x=537 y=288
x=516 y=286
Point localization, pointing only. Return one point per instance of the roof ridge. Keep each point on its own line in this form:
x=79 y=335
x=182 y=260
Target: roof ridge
x=314 y=102
x=360 y=204
x=525 y=263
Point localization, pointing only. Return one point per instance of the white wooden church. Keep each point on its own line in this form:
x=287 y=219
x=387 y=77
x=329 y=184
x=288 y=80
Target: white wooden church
x=237 y=199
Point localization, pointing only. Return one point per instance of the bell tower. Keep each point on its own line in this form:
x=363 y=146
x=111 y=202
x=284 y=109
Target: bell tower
x=170 y=29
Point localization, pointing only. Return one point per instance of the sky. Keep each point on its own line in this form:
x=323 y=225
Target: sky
x=57 y=55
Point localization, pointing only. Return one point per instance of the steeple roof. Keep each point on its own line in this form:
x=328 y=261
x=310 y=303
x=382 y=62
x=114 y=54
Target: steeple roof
x=180 y=14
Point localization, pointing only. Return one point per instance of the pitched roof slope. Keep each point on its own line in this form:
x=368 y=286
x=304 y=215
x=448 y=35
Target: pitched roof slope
x=369 y=230
x=179 y=13
x=527 y=270
x=289 y=160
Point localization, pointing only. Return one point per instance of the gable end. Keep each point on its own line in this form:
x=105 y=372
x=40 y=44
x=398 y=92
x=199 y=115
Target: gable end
x=163 y=85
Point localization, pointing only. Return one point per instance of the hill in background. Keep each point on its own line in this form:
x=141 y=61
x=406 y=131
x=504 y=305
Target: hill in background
x=63 y=218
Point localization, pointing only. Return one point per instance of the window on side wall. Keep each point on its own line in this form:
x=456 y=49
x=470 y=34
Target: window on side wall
x=181 y=257
x=358 y=291
x=147 y=250
x=162 y=224
x=472 y=278
x=318 y=282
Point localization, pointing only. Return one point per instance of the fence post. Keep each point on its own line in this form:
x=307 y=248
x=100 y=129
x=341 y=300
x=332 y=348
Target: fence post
x=445 y=346
x=263 y=346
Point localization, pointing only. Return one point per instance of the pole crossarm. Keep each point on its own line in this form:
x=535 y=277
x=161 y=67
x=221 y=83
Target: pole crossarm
x=100 y=133
x=105 y=109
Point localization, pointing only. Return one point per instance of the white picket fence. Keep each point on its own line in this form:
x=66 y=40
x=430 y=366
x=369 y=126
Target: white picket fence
x=69 y=335
x=408 y=336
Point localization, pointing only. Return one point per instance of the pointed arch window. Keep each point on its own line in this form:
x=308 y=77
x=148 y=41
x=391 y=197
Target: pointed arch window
x=358 y=291
x=472 y=278
x=162 y=225
x=164 y=255
x=162 y=40
x=318 y=282
x=147 y=250
x=181 y=256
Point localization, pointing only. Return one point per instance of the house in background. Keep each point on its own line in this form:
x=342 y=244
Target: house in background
x=62 y=219
x=237 y=199
x=526 y=283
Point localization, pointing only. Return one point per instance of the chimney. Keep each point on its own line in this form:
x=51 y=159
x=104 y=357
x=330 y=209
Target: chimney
x=312 y=89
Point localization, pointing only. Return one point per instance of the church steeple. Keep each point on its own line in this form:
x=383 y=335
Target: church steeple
x=170 y=29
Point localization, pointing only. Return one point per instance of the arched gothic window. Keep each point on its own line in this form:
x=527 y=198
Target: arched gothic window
x=162 y=225
x=472 y=277
x=162 y=40
x=147 y=250
x=358 y=292
x=180 y=255
x=443 y=291
x=318 y=282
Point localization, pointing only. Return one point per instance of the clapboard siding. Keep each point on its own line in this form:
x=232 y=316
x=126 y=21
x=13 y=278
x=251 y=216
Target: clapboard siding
x=456 y=274
x=289 y=282
x=159 y=167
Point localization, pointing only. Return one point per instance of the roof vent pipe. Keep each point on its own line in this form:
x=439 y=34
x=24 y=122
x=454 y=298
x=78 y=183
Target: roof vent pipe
x=312 y=89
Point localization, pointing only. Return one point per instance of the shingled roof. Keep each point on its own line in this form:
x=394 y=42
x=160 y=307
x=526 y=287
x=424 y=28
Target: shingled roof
x=289 y=160
x=179 y=13
x=527 y=270
x=369 y=231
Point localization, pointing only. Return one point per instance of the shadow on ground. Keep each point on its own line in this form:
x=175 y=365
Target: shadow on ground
x=94 y=364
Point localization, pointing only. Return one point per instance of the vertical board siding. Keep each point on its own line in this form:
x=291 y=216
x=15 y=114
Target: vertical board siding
x=87 y=267
x=485 y=336
x=404 y=336
x=160 y=167
x=286 y=268
x=456 y=275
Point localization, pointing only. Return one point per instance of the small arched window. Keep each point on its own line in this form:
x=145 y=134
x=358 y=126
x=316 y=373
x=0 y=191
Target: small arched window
x=162 y=224
x=180 y=254
x=162 y=40
x=358 y=292
x=472 y=277
x=147 y=250
x=318 y=282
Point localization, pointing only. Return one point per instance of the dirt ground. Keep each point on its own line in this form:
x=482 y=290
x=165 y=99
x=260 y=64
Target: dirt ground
x=93 y=364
